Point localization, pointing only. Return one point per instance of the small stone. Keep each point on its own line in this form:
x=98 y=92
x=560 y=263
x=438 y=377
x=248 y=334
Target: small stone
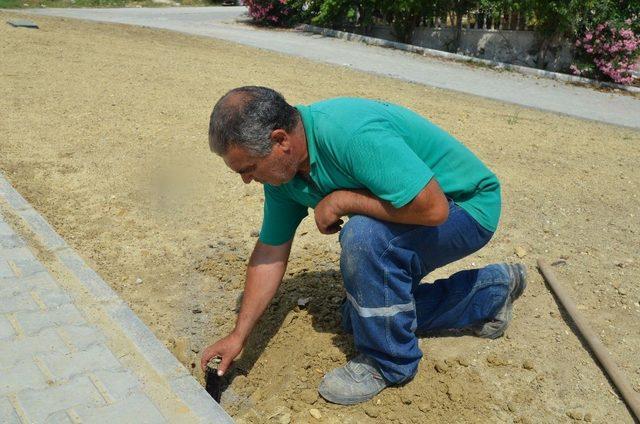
x=406 y=399
x=560 y=262
x=289 y=319
x=284 y=419
x=309 y=396
x=527 y=364
x=454 y=394
x=371 y=411
x=496 y=361
x=464 y=362
x=256 y=233
x=424 y=407
x=588 y=417
x=520 y=251
x=441 y=367
x=315 y=413
x=303 y=302
x=196 y=311
x=138 y=280
x=576 y=415
x=511 y=407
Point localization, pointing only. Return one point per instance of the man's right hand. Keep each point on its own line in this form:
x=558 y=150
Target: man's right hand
x=264 y=274
x=227 y=348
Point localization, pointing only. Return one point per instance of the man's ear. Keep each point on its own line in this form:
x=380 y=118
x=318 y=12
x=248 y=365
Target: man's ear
x=281 y=138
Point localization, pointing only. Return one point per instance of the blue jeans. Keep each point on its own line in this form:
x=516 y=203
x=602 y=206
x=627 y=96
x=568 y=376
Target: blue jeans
x=382 y=264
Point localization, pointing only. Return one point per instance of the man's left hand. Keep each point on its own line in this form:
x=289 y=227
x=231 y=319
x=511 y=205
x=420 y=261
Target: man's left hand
x=328 y=214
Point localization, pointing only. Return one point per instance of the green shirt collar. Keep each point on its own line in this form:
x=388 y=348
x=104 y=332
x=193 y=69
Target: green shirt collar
x=307 y=122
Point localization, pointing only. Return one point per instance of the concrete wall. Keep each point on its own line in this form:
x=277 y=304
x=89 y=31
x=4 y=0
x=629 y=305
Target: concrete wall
x=517 y=47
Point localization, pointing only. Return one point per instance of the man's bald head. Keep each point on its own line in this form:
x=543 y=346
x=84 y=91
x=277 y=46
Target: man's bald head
x=246 y=117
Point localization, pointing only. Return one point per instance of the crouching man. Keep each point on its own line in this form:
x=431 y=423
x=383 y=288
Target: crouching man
x=416 y=198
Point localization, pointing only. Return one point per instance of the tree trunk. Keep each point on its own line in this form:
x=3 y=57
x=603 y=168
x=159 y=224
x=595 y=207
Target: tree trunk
x=456 y=42
x=542 y=53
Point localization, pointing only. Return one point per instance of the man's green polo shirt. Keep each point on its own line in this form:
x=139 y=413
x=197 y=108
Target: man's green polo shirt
x=386 y=149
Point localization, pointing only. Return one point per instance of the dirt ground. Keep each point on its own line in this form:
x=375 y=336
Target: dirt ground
x=104 y=132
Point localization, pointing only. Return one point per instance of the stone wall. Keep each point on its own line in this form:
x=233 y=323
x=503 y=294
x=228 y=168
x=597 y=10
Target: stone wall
x=516 y=47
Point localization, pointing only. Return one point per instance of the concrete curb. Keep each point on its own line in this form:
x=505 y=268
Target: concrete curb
x=186 y=388
x=461 y=58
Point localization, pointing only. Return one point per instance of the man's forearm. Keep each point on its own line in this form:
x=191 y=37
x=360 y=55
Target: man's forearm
x=430 y=207
x=264 y=275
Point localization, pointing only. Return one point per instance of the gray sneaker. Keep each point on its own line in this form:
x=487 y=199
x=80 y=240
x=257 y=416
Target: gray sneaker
x=357 y=381
x=497 y=326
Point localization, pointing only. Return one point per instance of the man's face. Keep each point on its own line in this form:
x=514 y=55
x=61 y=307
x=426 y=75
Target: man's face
x=277 y=168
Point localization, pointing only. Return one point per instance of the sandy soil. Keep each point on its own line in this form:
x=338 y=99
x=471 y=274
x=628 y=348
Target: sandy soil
x=104 y=132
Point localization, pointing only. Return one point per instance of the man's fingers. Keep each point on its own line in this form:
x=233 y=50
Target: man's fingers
x=204 y=360
x=226 y=362
x=206 y=357
x=335 y=227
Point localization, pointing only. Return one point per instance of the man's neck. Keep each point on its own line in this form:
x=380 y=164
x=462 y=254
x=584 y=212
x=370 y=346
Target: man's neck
x=304 y=168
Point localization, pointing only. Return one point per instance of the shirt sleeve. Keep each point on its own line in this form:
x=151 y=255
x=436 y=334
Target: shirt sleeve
x=384 y=163
x=281 y=218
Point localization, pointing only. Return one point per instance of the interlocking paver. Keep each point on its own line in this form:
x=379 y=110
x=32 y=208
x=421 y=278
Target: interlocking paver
x=11 y=241
x=41 y=282
x=6 y=329
x=39 y=404
x=44 y=288
x=29 y=266
x=67 y=365
x=137 y=405
x=7 y=413
x=81 y=335
x=47 y=341
x=5 y=269
x=22 y=376
x=120 y=384
x=60 y=417
x=34 y=321
x=16 y=253
x=18 y=302
x=5 y=229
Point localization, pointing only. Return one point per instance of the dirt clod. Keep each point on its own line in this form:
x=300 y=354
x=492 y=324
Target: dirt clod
x=441 y=367
x=575 y=415
x=315 y=413
x=464 y=362
x=284 y=418
x=527 y=364
x=372 y=411
x=497 y=361
x=309 y=396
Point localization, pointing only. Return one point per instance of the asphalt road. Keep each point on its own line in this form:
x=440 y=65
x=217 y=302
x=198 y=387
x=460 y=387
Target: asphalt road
x=220 y=22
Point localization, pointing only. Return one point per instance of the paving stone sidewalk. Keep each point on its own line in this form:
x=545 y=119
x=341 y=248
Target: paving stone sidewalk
x=71 y=351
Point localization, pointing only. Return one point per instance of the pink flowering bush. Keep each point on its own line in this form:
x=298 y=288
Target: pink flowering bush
x=269 y=12
x=609 y=51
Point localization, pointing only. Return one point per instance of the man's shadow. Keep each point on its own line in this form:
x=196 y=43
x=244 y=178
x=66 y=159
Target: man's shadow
x=325 y=293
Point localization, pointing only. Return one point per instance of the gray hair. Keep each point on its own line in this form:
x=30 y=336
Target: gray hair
x=246 y=116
